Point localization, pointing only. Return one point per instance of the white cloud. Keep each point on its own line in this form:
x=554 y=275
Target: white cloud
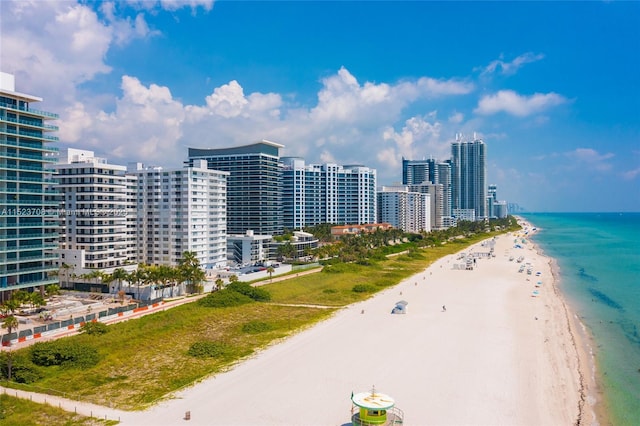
x=52 y=47
x=193 y=4
x=351 y=123
x=591 y=158
x=631 y=174
x=512 y=103
x=510 y=68
x=456 y=118
x=228 y=100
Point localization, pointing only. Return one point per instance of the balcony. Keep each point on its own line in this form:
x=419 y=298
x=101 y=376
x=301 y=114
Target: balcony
x=34 y=135
x=4 y=165
x=27 y=179
x=22 y=144
x=38 y=235
x=23 y=156
x=46 y=127
x=30 y=284
x=45 y=114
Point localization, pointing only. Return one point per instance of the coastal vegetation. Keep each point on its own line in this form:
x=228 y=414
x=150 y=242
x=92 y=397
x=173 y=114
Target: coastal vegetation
x=20 y=412
x=141 y=361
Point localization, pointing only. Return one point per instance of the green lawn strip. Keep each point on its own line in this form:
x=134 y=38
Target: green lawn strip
x=21 y=412
x=335 y=289
x=143 y=360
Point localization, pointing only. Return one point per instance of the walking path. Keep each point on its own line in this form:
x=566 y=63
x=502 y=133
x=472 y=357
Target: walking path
x=84 y=408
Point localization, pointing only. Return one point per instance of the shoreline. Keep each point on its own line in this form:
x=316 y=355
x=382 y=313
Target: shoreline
x=593 y=410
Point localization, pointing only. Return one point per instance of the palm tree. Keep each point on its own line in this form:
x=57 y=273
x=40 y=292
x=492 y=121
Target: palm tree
x=137 y=276
x=52 y=290
x=118 y=275
x=64 y=268
x=270 y=270
x=219 y=283
x=106 y=279
x=97 y=275
x=190 y=269
x=36 y=300
x=152 y=276
x=164 y=274
x=10 y=323
x=12 y=305
x=197 y=278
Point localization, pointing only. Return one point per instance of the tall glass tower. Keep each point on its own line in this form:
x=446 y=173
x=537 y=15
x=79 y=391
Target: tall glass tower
x=469 y=176
x=254 y=185
x=28 y=212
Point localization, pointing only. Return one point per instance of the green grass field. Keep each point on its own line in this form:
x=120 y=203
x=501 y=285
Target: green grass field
x=20 y=412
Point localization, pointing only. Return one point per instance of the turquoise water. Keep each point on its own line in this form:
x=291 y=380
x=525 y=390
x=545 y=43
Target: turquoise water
x=599 y=259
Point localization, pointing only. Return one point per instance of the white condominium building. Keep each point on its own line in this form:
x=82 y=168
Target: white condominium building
x=437 y=201
x=93 y=212
x=181 y=210
x=404 y=209
x=327 y=193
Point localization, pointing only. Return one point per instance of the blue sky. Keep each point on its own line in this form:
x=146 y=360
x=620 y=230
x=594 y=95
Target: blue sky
x=552 y=88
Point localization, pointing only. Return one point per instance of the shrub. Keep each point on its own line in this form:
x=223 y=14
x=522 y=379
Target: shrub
x=67 y=353
x=224 y=299
x=256 y=327
x=98 y=328
x=363 y=288
x=208 y=349
x=337 y=268
x=22 y=369
x=257 y=294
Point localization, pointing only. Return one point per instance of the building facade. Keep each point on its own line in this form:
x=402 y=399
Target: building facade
x=469 y=176
x=254 y=185
x=28 y=214
x=180 y=210
x=93 y=213
x=405 y=209
x=327 y=193
x=436 y=202
x=418 y=174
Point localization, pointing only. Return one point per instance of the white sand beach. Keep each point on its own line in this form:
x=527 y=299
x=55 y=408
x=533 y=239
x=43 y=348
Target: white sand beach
x=496 y=356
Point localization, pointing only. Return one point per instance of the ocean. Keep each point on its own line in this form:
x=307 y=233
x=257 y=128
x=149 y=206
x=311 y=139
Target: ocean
x=599 y=259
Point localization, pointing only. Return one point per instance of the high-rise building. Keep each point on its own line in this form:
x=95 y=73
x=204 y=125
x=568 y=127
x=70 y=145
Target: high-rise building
x=181 y=210
x=469 y=176
x=294 y=189
x=327 y=193
x=254 y=185
x=430 y=171
x=436 y=202
x=496 y=208
x=404 y=209
x=415 y=172
x=28 y=217
x=444 y=179
x=94 y=208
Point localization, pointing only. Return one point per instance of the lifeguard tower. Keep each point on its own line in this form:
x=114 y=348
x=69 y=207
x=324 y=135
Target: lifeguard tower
x=374 y=408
